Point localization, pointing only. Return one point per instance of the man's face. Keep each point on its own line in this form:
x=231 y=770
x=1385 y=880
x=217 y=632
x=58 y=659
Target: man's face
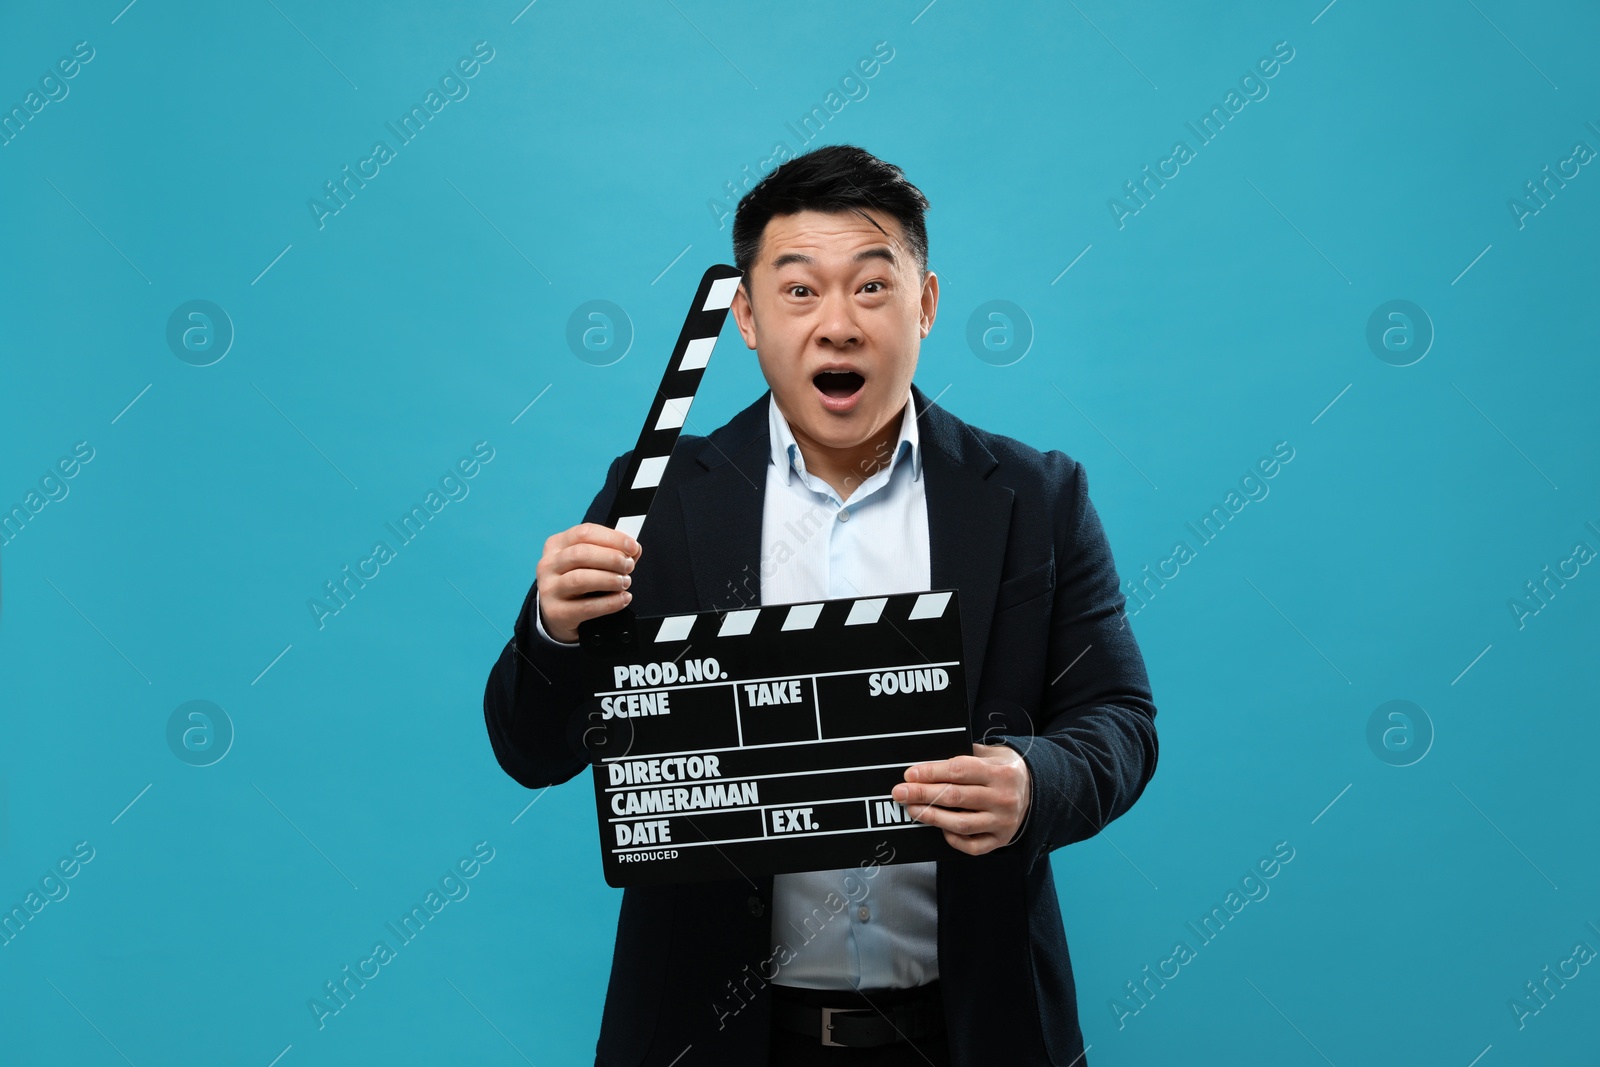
x=836 y=312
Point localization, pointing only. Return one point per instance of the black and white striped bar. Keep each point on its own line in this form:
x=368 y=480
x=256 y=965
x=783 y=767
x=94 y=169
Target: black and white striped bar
x=767 y=740
x=673 y=398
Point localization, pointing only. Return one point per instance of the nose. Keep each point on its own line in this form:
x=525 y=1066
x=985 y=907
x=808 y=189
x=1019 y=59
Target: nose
x=839 y=327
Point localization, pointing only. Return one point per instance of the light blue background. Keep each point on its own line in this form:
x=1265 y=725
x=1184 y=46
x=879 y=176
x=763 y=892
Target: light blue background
x=1226 y=316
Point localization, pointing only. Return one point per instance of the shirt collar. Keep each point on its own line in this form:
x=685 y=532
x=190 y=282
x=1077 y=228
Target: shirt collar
x=784 y=445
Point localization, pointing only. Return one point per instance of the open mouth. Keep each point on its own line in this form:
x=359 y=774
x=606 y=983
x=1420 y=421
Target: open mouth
x=838 y=384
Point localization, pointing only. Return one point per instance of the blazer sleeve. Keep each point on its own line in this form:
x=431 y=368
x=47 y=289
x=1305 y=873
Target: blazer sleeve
x=1094 y=747
x=533 y=702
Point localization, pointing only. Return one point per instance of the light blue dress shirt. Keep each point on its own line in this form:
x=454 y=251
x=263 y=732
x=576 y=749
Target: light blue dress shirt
x=817 y=546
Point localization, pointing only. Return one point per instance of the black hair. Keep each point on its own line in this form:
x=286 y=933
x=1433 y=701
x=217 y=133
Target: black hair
x=834 y=178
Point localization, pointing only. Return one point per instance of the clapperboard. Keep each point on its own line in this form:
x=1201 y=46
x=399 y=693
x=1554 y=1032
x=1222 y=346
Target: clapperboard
x=761 y=740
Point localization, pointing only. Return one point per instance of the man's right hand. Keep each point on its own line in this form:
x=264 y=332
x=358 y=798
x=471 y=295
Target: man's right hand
x=588 y=558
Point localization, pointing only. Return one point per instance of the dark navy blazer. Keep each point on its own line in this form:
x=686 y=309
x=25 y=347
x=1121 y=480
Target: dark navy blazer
x=1052 y=670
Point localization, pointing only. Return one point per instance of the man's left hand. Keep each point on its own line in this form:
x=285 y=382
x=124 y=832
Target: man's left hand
x=978 y=800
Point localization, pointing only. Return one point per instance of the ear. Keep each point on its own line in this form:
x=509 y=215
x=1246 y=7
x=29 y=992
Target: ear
x=744 y=316
x=930 y=302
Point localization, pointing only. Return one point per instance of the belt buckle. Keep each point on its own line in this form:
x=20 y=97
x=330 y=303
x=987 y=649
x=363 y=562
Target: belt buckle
x=827 y=1027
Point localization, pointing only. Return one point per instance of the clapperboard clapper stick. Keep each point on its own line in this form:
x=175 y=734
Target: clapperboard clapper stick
x=762 y=740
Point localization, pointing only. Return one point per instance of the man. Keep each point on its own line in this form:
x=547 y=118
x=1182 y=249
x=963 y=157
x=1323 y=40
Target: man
x=846 y=480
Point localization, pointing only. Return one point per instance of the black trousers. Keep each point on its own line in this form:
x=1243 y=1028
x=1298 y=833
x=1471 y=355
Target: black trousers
x=790 y=1049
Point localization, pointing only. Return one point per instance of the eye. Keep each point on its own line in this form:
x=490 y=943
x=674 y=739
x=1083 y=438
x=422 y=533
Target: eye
x=791 y=288
x=878 y=284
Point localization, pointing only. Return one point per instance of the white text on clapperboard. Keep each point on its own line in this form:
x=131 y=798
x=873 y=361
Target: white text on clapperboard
x=665 y=771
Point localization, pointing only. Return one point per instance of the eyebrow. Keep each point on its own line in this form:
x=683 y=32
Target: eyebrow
x=800 y=257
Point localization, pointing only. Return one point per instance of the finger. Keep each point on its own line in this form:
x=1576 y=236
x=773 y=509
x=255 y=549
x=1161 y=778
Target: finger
x=586 y=608
x=1006 y=806
x=594 y=533
x=969 y=769
x=975 y=845
x=592 y=556
x=965 y=823
x=948 y=795
x=584 y=581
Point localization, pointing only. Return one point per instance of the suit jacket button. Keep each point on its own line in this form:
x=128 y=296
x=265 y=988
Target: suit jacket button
x=756 y=907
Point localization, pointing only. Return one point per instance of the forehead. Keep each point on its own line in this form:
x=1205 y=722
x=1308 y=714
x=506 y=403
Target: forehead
x=827 y=238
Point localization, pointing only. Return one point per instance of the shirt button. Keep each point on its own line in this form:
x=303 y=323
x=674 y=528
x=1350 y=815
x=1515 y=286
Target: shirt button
x=844 y=514
x=756 y=907
x=863 y=914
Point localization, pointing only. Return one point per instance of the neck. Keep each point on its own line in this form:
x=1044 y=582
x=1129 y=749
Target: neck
x=846 y=468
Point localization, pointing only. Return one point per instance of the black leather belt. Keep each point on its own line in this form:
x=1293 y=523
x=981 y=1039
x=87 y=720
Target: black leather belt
x=854 y=1020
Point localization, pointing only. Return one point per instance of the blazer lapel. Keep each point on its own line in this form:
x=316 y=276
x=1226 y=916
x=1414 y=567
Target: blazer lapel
x=722 y=512
x=969 y=519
